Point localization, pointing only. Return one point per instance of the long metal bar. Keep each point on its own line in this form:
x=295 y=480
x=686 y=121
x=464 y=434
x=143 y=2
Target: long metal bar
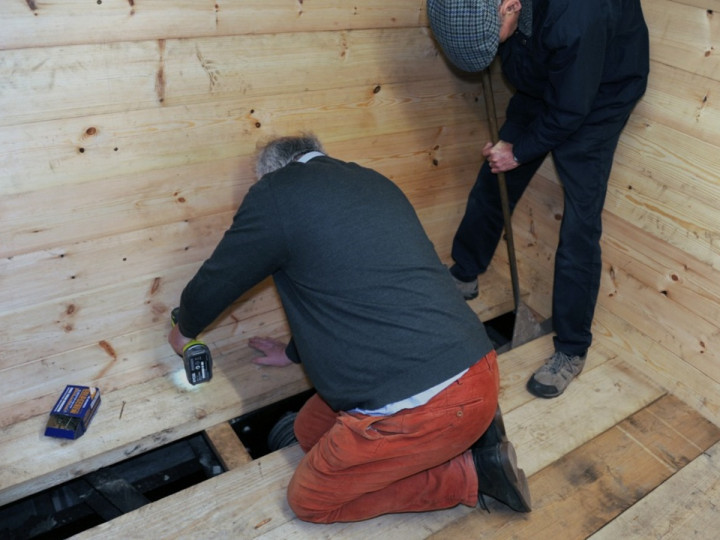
x=502 y=183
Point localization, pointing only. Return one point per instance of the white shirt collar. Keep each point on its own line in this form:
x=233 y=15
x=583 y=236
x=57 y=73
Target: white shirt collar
x=307 y=157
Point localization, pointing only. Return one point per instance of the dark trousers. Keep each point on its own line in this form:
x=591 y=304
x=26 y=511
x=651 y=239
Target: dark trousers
x=583 y=164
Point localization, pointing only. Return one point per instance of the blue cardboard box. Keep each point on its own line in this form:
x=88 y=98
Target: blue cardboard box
x=73 y=412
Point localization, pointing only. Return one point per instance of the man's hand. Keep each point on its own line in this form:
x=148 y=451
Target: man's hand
x=273 y=350
x=177 y=341
x=500 y=156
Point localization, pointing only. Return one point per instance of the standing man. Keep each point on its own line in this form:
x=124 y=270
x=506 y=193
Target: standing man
x=578 y=67
x=405 y=417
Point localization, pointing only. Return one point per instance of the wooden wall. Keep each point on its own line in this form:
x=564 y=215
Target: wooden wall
x=127 y=133
x=128 y=127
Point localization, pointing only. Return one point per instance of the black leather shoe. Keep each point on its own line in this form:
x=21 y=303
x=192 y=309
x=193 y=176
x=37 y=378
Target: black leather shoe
x=499 y=476
x=494 y=434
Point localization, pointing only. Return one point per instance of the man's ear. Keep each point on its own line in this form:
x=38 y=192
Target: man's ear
x=509 y=16
x=510 y=6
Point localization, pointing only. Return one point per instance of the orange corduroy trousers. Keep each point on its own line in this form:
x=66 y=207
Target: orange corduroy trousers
x=358 y=466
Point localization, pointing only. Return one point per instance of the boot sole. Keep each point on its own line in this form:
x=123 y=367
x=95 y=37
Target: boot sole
x=541 y=390
x=518 y=496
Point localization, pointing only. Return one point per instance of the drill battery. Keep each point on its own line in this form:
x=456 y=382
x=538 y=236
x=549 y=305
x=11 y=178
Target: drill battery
x=196 y=357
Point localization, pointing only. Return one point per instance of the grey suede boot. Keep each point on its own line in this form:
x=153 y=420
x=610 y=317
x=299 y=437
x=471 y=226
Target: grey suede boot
x=553 y=378
x=469 y=289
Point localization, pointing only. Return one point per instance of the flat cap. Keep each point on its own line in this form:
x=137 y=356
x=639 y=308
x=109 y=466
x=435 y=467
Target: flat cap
x=468 y=31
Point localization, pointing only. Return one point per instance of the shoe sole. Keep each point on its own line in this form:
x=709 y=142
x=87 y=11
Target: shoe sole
x=542 y=390
x=519 y=500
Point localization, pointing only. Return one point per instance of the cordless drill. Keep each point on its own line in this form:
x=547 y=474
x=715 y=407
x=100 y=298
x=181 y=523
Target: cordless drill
x=196 y=357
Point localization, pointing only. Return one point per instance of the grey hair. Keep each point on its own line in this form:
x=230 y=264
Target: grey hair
x=284 y=150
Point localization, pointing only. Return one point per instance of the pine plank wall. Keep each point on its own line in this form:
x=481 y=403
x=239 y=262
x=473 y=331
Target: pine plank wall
x=128 y=128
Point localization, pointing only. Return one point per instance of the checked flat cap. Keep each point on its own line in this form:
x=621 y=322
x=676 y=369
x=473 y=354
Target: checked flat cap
x=468 y=31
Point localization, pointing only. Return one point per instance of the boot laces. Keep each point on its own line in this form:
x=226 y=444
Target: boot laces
x=559 y=362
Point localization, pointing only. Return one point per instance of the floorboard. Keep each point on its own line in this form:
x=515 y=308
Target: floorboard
x=685 y=506
x=590 y=486
x=639 y=453
x=227 y=445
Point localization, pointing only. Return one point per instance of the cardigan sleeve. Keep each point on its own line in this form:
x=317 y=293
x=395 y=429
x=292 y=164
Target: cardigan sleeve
x=252 y=249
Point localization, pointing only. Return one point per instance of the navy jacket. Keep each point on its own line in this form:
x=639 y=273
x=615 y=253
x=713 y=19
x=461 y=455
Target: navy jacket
x=586 y=63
